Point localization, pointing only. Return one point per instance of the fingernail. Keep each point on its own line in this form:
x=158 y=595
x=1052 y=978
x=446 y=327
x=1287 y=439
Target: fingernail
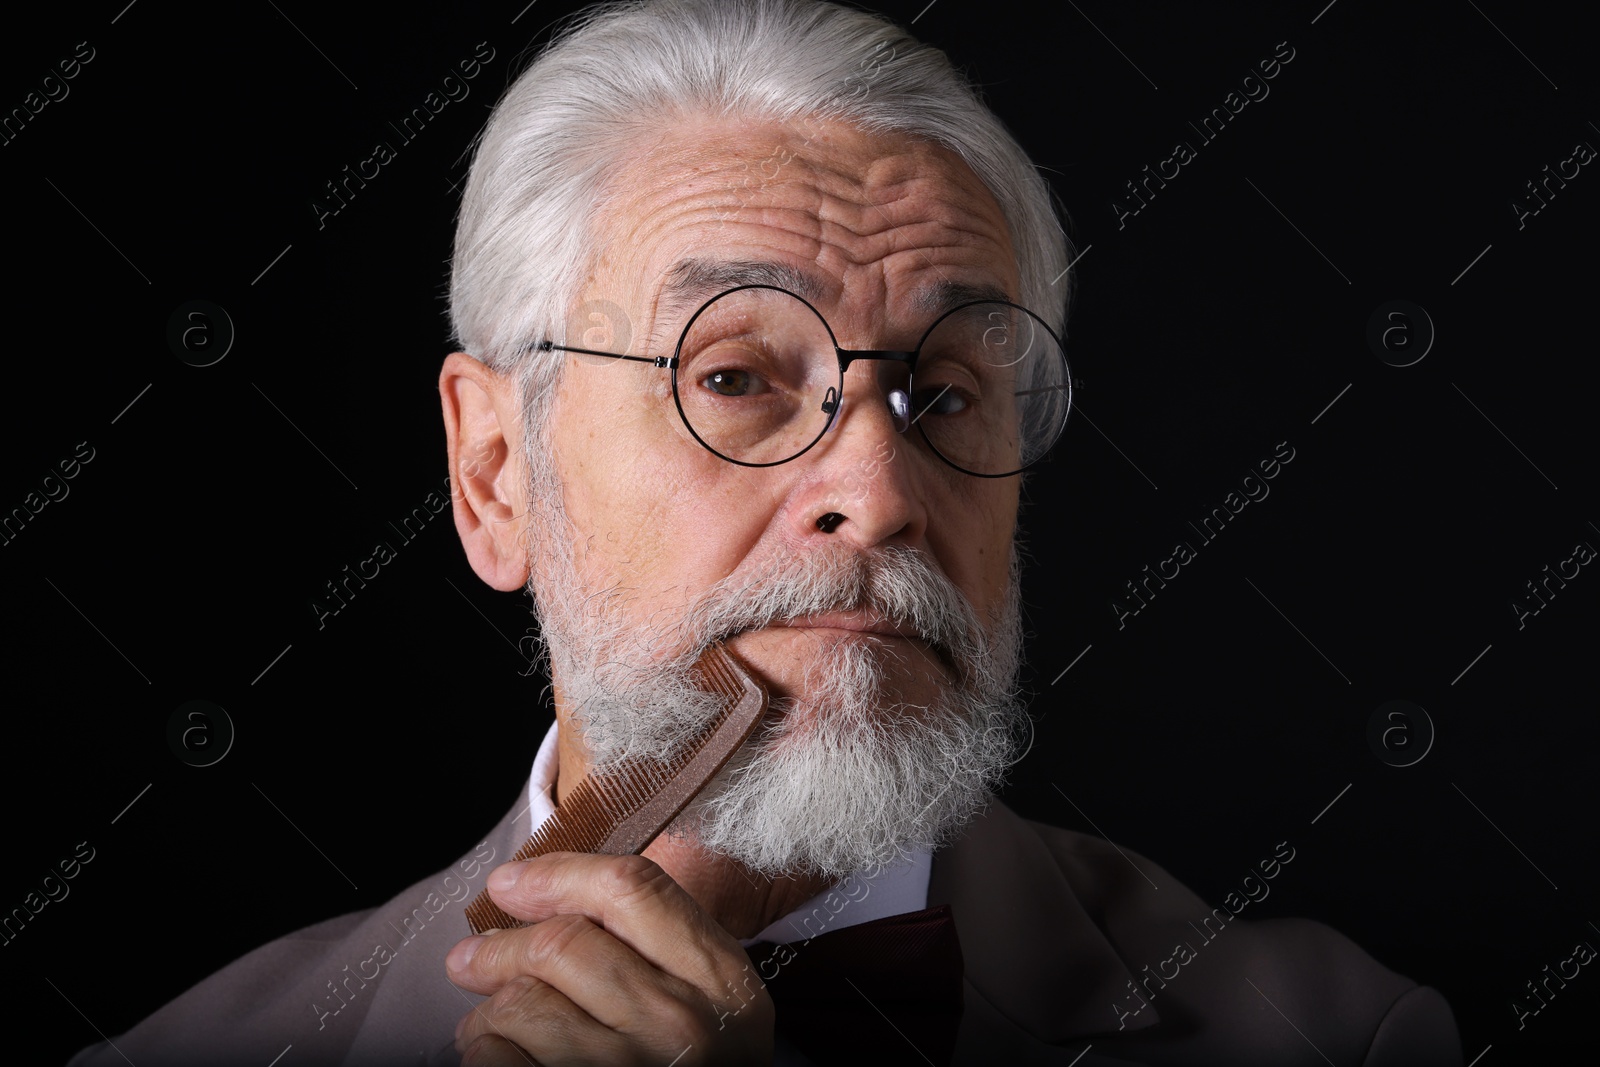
x=462 y=954
x=506 y=875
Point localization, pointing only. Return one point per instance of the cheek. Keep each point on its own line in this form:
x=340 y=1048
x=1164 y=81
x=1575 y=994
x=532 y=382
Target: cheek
x=606 y=445
x=651 y=509
x=710 y=520
x=971 y=529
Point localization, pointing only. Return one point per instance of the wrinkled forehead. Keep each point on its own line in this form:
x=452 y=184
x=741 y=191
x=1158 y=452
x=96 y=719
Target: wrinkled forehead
x=860 y=223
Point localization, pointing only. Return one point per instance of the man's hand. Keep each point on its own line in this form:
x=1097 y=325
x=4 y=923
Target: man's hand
x=621 y=966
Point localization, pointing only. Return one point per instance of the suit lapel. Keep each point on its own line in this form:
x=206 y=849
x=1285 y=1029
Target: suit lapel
x=1033 y=955
x=417 y=1000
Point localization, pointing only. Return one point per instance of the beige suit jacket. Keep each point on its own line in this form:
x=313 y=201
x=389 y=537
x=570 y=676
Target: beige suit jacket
x=1054 y=926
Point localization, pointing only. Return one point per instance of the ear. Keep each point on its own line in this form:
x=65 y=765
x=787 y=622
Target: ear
x=484 y=438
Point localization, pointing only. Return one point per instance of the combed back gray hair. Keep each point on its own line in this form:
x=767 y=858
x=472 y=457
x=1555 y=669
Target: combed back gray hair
x=525 y=236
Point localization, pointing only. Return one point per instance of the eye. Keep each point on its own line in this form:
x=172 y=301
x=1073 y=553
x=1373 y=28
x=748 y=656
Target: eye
x=942 y=399
x=733 y=382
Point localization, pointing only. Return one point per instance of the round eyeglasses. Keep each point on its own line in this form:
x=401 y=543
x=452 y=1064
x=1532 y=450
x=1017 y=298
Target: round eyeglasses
x=758 y=378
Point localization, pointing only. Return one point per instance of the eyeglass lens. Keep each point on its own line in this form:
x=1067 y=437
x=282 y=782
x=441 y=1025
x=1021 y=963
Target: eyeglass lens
x=758 y=379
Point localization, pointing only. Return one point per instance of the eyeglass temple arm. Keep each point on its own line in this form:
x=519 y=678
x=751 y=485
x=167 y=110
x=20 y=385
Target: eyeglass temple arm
x=656 y=361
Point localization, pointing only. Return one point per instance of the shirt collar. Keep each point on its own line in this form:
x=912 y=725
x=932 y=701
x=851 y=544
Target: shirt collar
x=856 y=899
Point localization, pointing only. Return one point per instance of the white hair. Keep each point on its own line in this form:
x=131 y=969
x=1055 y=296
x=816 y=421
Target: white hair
x=848 y=777
x=526 y=232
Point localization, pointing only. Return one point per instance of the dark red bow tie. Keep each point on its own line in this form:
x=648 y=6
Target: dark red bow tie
x=869 y=993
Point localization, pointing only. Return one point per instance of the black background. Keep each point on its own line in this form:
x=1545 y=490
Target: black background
x=1220 y=320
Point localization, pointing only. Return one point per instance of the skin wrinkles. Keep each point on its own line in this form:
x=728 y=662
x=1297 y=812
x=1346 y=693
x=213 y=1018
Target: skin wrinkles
x=880 y=222
x=642 y=949
x=880 y=216
x=874 y=222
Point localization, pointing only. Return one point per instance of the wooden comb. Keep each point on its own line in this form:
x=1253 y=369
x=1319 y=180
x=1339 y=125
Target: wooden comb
x=620 y=812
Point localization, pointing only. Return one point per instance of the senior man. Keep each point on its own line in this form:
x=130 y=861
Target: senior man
x=759 y=334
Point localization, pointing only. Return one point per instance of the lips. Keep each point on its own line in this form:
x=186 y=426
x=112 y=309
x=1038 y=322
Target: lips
x=867 y=622
x=871 y=622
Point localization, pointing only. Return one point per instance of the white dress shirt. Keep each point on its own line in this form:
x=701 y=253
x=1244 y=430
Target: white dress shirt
x=892 y=891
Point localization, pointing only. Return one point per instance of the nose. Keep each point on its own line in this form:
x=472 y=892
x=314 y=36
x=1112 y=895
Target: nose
x=899 y=409
x=864 y=482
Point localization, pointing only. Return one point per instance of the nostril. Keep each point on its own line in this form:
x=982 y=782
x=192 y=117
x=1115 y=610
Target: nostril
x=830 y=522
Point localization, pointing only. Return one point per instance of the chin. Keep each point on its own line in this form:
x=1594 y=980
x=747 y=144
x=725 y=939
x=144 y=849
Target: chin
x=852 y=776
x=803 y=664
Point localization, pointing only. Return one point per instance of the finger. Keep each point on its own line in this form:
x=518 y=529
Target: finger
x=537 y=1024
x=635 y=901
x=492 y=1050
x=598 y=973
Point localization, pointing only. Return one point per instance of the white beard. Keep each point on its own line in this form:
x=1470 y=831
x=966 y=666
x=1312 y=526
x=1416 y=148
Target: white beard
x=846 y=778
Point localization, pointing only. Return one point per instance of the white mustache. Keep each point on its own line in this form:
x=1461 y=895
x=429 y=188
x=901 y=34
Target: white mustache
x=895 y=581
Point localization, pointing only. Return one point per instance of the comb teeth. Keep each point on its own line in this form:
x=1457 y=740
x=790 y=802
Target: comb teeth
x=719 y=669
x=622 y=811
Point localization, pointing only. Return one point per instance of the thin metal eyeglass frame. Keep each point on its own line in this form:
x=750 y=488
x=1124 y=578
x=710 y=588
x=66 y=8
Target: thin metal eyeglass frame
x=845 y=357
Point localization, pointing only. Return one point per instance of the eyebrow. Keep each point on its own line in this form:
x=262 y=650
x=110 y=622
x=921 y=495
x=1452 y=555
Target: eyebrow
x=693 y=281
x=944 y=295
